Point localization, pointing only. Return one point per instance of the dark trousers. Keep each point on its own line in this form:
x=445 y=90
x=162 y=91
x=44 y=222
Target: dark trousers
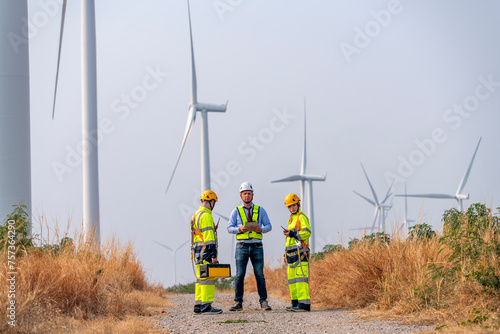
x=254 y=252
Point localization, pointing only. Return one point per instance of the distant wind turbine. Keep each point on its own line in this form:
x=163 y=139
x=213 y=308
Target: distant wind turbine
x=203 y=108
x=89 y=117
x=306 y=189
x=381 y=208
x=15 y=160
x=406 y=220
x=458 y=196
x=173 y=255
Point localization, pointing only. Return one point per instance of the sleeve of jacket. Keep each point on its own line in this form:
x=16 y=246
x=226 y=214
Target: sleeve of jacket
x=305 y=228
x=207 y=230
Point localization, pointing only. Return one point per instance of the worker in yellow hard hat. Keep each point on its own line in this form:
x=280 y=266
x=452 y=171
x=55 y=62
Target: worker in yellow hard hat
x=297 y=255
x=204 y=246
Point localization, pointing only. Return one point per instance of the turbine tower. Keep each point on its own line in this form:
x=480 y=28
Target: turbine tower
x=90 y=167
x=15 y=160
x=203 y=108
x=406 y=220
x=173 y=255
x=381 y=208
x=306 y=188
x=458 y=196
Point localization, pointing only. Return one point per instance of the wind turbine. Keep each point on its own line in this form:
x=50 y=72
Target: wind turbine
x=89 y=117
x=15 y=160
x=381 y=208
x=306 y=188
x=458 y=196
x=173 y=254
x=406 y=220
x=203 y=108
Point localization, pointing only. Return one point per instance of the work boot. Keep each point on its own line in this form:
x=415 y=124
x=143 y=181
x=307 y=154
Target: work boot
x=264 y=306
x=301 y=308
x=197 y=309
x=212 y=311
x=295 y=303
x=236 y=307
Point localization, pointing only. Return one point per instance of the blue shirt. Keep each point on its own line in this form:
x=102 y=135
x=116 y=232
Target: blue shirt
x=235 y=223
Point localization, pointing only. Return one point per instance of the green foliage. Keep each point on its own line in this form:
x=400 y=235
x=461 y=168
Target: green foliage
x=327 y=249
x=220 y=284
x=421 y=232
x=55 y=248
x=182 y=288
x=225 y=283
x=473 y=239
x=379 y=237
x=18 y=224
x=239 y=321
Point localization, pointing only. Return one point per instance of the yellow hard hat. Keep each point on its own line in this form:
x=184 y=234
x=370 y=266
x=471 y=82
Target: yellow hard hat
x=208 y=195
x=291 y=199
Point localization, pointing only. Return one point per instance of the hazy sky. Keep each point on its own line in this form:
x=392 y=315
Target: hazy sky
x=405 y=87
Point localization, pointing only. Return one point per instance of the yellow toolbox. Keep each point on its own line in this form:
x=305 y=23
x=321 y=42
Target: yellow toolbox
x=215 y=270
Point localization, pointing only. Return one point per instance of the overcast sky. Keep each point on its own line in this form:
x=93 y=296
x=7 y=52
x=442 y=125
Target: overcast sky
x=405 y=87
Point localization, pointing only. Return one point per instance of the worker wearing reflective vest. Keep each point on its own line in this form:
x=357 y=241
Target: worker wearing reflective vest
x=249 y=245
x=297 y=255
x=204 y=246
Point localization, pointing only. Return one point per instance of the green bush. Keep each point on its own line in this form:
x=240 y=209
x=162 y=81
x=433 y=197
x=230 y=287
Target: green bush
x=330 y=248
x=18 y=227
x=473 y=239
x=421 y=232
x=380 y=237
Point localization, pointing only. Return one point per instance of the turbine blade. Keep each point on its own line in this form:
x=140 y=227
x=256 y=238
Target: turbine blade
x=388 y=192
x=223 y=217
x=366 y=199
x=304 y=156
x=290 y=178
x=189 y=127
x=163 y=245
x=371 y=187
x=466 y=175
x=429 y=196
x=63 y=15
x=194 y=97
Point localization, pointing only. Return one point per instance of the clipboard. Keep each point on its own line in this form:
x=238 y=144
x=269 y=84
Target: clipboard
x=251 y=224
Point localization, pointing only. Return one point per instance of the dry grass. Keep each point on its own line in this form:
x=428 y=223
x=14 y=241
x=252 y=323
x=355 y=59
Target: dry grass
x=82 y=290
x=393 y=281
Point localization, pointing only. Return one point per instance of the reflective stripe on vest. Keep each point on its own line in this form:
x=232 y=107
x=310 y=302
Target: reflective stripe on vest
x=255 y=217
x=290 y=243
x=195 y=229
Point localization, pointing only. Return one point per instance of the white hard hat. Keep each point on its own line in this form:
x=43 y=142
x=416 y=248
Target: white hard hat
x=246 y=186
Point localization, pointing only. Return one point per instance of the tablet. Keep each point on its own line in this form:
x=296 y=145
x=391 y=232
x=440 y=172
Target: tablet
x=251 y=224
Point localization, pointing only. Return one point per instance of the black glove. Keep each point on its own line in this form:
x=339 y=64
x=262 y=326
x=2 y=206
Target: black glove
x=292 y=234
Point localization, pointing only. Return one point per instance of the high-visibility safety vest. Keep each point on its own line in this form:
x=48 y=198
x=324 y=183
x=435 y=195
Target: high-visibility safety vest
x=244 y=220
x=299 y=223
x=202 y=228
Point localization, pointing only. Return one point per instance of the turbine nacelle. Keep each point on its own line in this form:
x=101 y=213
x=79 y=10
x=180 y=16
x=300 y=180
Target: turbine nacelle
x=462 y=196
x=208 y=107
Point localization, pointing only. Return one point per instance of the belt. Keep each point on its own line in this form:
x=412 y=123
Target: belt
x=251 y=243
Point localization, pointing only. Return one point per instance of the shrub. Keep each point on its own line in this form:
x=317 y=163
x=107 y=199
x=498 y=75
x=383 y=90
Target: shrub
x=420 y=232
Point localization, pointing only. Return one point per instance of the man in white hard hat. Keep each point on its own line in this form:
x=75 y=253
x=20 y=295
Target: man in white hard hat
x=249 y=221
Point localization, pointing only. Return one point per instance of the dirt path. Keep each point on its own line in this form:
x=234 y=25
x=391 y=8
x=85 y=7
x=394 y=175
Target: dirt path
x=180 y=319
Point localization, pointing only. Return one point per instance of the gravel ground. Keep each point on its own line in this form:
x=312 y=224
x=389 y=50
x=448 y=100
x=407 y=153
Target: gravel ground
x=180 y=319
